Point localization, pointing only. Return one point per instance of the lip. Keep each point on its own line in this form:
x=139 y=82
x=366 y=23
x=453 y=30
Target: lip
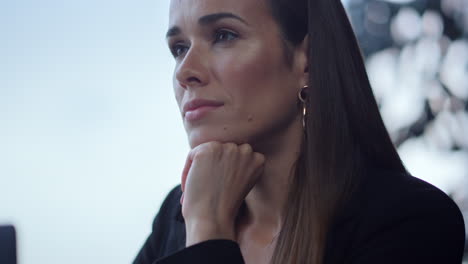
x=197 y=108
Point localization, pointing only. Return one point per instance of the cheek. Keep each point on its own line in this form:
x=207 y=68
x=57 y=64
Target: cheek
x=258 y=84
x=255 y=77
x=250 y=64
x=247 y=73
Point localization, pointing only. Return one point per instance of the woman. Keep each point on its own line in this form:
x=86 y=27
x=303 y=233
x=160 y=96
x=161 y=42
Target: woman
x=290 y=160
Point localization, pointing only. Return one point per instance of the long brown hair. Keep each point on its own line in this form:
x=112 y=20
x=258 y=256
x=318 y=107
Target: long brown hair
x=344 y=136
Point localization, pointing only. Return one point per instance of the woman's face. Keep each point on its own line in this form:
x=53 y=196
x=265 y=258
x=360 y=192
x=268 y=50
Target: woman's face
x=231 y=53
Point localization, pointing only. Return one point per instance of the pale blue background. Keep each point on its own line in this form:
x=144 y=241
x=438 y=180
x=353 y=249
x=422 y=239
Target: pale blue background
x=90 y=135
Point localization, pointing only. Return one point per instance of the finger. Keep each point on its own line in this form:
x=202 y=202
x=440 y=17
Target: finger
x=257 y=164
x=188 y=164
x=245 y=148
x=182 y=199
x=259 y=158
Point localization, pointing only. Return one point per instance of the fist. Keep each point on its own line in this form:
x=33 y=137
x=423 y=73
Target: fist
x=216 y=179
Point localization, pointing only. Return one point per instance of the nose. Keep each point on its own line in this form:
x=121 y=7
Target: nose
x=192 y=70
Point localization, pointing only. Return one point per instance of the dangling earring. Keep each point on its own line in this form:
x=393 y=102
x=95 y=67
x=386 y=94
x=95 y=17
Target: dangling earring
x=303 y=97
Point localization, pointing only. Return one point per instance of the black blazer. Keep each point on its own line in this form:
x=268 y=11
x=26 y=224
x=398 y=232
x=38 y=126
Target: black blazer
x=393 y=218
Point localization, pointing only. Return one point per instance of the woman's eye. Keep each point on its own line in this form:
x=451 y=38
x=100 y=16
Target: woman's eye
x=224 y=35
x=178 y=49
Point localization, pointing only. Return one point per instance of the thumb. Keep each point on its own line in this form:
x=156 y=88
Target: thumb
x=188 y=164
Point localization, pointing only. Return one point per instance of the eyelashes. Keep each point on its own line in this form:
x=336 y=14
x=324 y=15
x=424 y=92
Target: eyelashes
x=225 y=35
x=178 y=49
x=220 y=36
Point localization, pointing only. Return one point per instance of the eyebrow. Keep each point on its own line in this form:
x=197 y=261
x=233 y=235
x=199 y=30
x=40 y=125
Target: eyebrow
x=205 y=20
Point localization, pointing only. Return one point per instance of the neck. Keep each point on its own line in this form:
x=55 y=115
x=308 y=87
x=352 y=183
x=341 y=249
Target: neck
x=266 y=201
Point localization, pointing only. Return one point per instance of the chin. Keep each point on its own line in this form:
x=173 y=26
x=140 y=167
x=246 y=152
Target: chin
x=224 y=135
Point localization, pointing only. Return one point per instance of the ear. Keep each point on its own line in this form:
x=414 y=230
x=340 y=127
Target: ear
x=302 y=61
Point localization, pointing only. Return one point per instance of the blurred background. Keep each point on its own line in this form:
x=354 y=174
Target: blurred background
x=91 y=139
x=417 y=59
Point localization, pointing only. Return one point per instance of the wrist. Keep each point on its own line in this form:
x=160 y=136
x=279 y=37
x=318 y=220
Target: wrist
x=202 y=230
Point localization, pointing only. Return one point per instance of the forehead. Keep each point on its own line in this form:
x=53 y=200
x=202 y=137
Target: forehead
x=190 y=10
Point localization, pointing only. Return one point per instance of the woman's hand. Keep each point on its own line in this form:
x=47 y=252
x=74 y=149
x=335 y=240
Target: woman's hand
x=216 y=179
